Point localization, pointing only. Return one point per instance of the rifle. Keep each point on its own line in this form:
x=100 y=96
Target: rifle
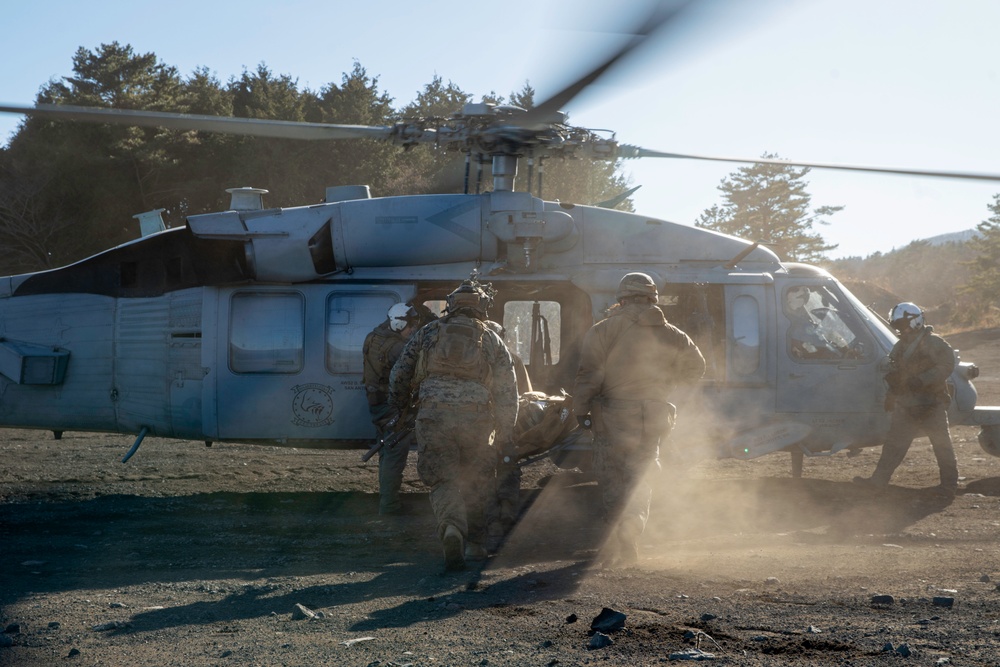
x=392 y=437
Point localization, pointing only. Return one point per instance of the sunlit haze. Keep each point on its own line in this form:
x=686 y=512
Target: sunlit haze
x=904 y=83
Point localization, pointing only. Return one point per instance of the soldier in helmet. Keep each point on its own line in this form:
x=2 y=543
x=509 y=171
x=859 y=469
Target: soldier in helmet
x=467 y=393
x=629 y=364
x=919 y=366
x=381 y=349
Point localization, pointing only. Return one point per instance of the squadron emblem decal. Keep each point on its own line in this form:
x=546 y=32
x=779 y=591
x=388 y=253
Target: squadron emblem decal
x=312 y=405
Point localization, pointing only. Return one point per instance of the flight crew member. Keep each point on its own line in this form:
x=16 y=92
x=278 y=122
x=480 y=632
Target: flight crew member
x=381 y=349
x=463 y=376
x=808 y=339
x=629 y=364
x=919 y=366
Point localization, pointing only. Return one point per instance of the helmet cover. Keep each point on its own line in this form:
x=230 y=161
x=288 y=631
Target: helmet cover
x=636 y=284
x=473 y=295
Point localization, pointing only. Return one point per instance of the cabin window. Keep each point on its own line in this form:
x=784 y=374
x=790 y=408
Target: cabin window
x=266 y=332
x=820 y=327
x=350 y=317
x=533 y=331
x=699 y=311
x=746 y=335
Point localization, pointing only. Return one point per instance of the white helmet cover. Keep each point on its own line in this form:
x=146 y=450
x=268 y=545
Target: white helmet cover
x=906 y=315
x=401 y=315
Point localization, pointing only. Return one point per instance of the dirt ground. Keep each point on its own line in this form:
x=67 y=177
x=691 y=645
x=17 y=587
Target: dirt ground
x=189 y=555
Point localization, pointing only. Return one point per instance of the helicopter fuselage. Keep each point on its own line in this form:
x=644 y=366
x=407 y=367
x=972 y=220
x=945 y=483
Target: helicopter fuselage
x=247 y=325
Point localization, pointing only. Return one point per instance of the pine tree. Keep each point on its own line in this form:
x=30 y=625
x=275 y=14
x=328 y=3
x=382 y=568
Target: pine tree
x=769 y=203
x=984 y=271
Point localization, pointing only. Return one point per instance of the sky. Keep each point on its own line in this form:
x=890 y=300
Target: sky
x=902 y=83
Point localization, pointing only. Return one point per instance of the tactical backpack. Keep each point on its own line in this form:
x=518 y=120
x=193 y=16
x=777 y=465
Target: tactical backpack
x=458 y=352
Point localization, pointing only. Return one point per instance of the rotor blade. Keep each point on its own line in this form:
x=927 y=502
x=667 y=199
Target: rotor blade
x=545 y=112
x=279 y=129
x=626 y=151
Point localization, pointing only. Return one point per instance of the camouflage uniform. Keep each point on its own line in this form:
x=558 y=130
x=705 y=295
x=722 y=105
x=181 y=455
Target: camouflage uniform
x=502 y=514
x=629 y=364
x=381 y=349
x=455 y=419
x=920 y=364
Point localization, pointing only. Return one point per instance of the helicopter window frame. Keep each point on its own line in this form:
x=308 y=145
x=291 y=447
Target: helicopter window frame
x=266 y=333
x=346 y=357
x=746 y=336
x=518 y=312
x=698 y=309
x=820 y=329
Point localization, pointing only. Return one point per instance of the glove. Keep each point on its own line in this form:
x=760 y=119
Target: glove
x=914 y=384
x=389 y=419
x=585 y=421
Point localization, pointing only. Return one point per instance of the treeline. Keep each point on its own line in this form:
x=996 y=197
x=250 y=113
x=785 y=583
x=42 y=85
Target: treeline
x=70 y=189
x=957 y=283
x=924 y=273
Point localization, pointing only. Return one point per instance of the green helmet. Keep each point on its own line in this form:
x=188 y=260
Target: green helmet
x=636 y=284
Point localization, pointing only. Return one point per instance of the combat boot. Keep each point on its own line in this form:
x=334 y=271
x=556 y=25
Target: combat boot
x=871 y=483
x=454 y=549
x=475 y=551
x=628 y=543
x=945 y=491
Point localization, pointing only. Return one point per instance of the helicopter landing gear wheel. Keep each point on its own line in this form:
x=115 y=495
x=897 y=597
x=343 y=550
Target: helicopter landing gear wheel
x=797 y=459
x=989 y=439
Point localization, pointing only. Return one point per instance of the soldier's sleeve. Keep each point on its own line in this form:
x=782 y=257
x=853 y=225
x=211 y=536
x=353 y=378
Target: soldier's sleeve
x=401 y=376
x=590 y=375
x=394 y=351
x=943 y=356
x=367 y=370
x=369 y=375
x=504 y=390
x=690 y=361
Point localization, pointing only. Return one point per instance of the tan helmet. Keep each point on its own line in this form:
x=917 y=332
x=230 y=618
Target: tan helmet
x=469 y=295
x=636 y=284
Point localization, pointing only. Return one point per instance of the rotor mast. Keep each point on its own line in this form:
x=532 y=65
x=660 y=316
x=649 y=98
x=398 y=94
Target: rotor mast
x=504 y=172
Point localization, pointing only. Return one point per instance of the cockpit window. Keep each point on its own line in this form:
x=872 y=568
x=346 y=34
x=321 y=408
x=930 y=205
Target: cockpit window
x=821 y=326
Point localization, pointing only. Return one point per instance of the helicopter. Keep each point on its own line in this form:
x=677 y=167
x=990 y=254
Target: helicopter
x=246 y=325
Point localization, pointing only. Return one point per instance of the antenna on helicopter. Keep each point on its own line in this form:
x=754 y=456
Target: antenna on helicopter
x=742 y=255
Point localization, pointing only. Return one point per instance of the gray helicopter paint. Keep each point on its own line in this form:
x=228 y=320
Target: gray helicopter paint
x=448 y=221
x=81 y=325
x=320 y=399
x=460 y=228
x=154 y=354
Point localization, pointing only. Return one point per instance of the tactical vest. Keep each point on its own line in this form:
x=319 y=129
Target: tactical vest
x=377 y=351
x=458 y=352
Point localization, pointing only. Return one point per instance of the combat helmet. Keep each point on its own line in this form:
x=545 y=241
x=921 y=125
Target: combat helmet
x=473 y=296
x=636 y=285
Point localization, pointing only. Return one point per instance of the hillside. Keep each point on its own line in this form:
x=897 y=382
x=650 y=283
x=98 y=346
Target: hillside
x=928 y=272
